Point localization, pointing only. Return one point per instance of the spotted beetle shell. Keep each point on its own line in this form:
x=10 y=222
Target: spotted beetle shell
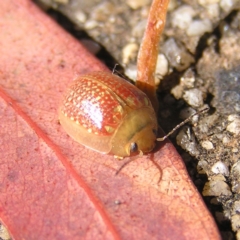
x=107 y=114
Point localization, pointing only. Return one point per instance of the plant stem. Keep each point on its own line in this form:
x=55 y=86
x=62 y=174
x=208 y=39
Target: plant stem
x=148 y=53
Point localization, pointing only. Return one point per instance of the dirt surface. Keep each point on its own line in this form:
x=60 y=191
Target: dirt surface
x=199 y=66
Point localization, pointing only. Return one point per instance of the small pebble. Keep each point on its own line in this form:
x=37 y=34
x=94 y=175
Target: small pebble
x=188 y=78
x=213 y=10
x=238 y=235
x=177 y=55
x=206 y=2
x=131 y=71
x=220 y=168
x=202 y=167
x=177 y=91
x=129 y=52
x=235 y=171
x=199 y=27
x=235 y=175
x=162 y=66
x=235 y=150
x=226 y=5
x=172 y=5
x=234 y=126
x=216 y=187
x=233 y=117
x=207 y=145
x=193 y=97
x=187 y=141
x=236 y=207
x=139 y=29
x=135 y=4
x=235 y=221
x=220 y=136
x=235 y=187
x=4 y=234
x=117 y=202
x=182 y=17
x=102 y=11
x=225 y=140
x=91 y=24
x=80 y=16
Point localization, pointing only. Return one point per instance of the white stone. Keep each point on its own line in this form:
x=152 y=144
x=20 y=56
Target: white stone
x=182 y=17
x=172 y=5
x=129 y=52
x=235 y=171
x=4 y=232
x=81 y=16
x=234 y=126
x=131 y=72
x=176 y=54
x=226 y=5
x=220 y=168
x=91 y=24
x=225 y=140
x=187 y=141
x=235 y=150
x=162 y=65
x=233 y=117
x=207 y=145
x=199 y=27
x=188 y=78
x=238 y=235
x=216 y=188
x=235 y=220
x=102 y=11
x=213 y=10
x=236 y=207
x=206 y=2
x=177 y=91
x=202 y=167
x=193 y=97
x=135 y=4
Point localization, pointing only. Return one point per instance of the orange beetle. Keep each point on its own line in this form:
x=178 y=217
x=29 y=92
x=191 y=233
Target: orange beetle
x=109 y=115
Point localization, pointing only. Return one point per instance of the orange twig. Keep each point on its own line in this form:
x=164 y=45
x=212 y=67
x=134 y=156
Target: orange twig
x=148 y=53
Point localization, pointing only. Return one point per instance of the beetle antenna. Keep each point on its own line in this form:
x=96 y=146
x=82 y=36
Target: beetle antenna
x=114 y=69
x=182 y=123
x=127 y=162
x=124 y=165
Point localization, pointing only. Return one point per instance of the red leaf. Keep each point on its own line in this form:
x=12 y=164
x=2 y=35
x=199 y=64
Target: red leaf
x=54 y=188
